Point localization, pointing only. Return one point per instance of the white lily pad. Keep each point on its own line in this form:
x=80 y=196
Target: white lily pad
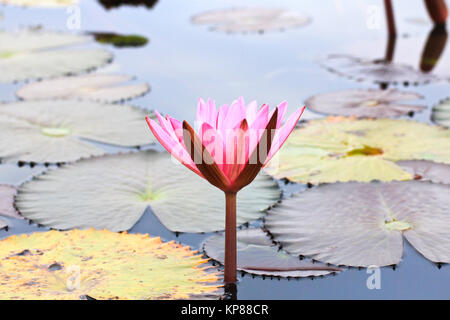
x=251 y=19
x=31 y=54
x=97 y=87
x=363 y=224
x=371 y=103
x=427 y=170
x=377 y=71
x=257 y=254
x=441 y=113
x=40 y=3
x=114 y=191
x=59 y=130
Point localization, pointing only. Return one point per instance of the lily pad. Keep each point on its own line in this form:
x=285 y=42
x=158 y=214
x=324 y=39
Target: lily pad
x=119 y=40
x=102 y=265
x=441 y=113
x=345 y=149
x=362 y=224
x=7 y=208
x=32 y=54
x=40 y=3
x=377 y=71
x=59 y=130
x=365 y=103
x=125 y=185
x=427 y=170
x=97 y=87
x=257 y=254
x=251 y=19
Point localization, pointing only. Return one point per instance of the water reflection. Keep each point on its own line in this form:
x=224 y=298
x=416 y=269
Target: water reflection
x=434 y=46
x=110 y=4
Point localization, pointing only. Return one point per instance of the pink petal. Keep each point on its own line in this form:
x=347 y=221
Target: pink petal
x=213 y=142
x=173 y=146
x=282 y=134
x=251 y=112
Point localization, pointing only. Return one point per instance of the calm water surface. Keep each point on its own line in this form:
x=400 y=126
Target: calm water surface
x=182 y=62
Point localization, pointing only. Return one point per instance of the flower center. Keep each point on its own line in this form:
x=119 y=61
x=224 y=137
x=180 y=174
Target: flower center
x=371 y=103
x=55 y=132
x=148 y=196
x=6 y=54
x=365 y=151
x=397 y=225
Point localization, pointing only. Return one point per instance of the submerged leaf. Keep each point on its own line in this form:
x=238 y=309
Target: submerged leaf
x=101 y=265
x=427 y=170
x=31 y=54
x=113 y=192
x=97 y=87
x=251 y=19
x=365 y=103
x=56 y=131
x=441 y=113
x=119 y=40
x=40 y=3
x=362 y=224
x=344 y=149
x=257 y=254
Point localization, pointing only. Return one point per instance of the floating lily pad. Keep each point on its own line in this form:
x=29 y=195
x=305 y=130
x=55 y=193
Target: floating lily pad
x=7 y=208
x=377 y=71
x=31 y=54
x=97 y=87
x=345 y=149
x=257 y=254
x=101 y=265
x=112 y=4
x=251 y=19
x=427 y=170
x=361 y=224
x=119 y=40
x=441 y=113
x=365 y=103
x=58 y=130
x=114 y=191
x=40 y=3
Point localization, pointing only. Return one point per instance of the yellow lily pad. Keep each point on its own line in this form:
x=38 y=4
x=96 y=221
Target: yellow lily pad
x=40 y=3
x=345 y=149
x=102 y=265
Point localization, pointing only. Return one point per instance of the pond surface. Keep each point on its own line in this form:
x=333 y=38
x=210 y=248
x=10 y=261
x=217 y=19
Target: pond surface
x=183 y=62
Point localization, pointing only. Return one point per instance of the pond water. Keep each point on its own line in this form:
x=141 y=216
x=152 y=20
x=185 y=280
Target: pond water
x=183 y=62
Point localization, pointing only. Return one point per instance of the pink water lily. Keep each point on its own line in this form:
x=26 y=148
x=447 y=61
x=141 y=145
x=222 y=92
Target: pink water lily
x=233 y=143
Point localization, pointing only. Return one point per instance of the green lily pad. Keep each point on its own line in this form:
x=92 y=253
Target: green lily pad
x=114 y=191
x=363 y=224
x=370 y=103
x=60 y=130
x=32 y=54
x=96 y=87
x=251 y=19
x=119 y=40
x=102 y=265
x=40 y=3
x=441 y=113
x=345 y=149
x=257 y=254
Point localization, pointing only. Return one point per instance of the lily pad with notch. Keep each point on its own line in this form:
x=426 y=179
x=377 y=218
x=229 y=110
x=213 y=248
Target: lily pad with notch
x=363 y=224
x=257 y=254
x=114 y=191
x=56 y=131
x=102 y=265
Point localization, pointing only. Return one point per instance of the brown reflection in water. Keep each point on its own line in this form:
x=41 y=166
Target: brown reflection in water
x=109 y=4
x=434 y=46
